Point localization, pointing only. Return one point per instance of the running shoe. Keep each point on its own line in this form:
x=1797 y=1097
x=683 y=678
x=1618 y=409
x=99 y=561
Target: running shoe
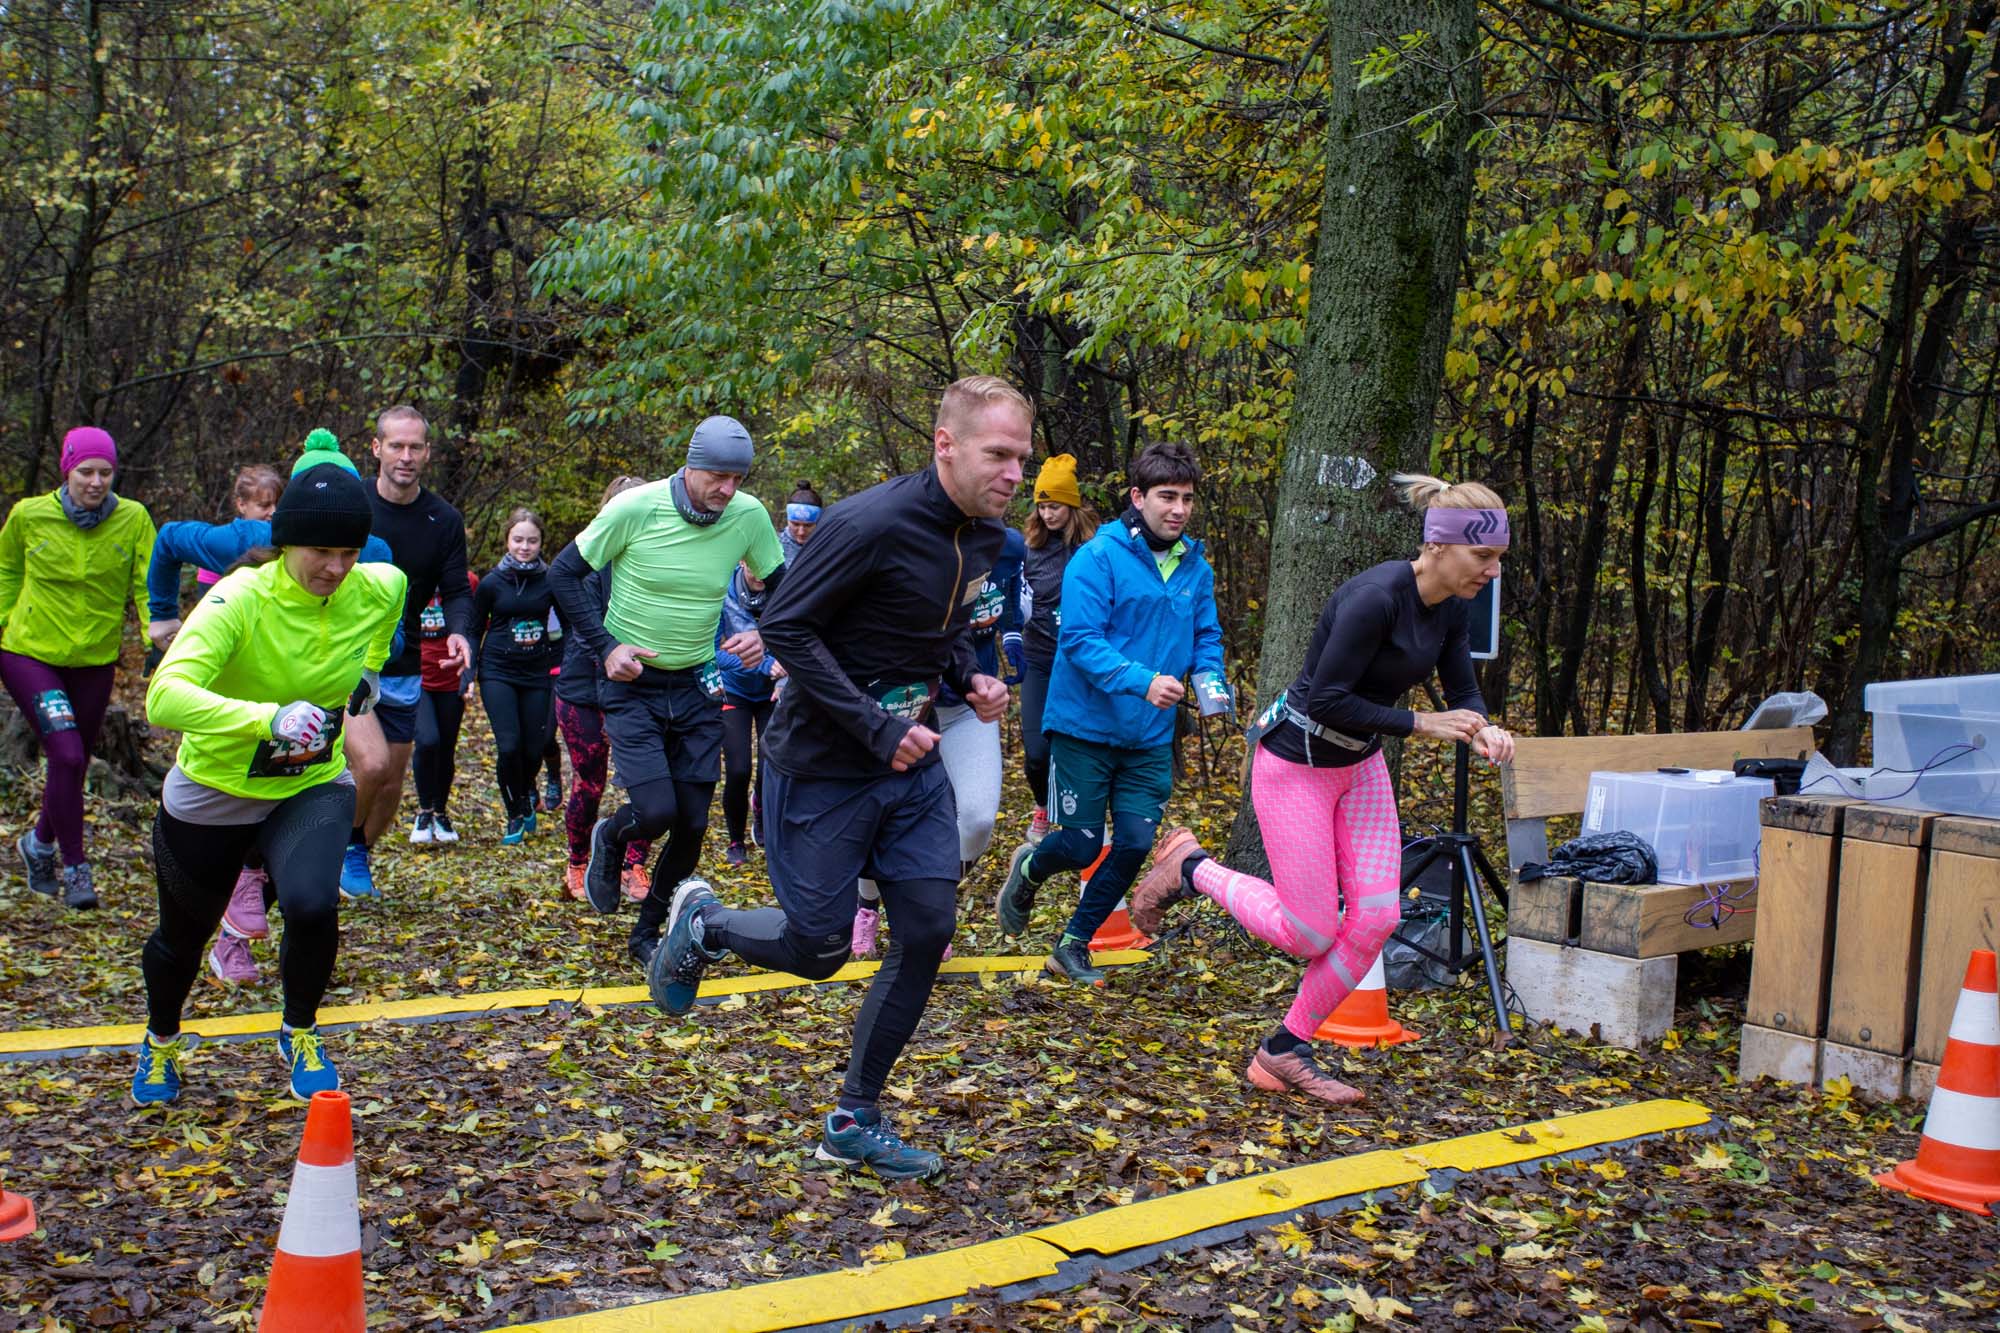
x=356 y=880
x=424 y=831
x=1017 y=895
x=528 y=822
x=158 y=1077
x=673 y=976
x=40 y=865
x=1163 y=885
x=1071 y=961
x=638 y=882
x=231 y=960
x=642 y=948
x=1038 y=826
x=305 y=1055
x=1296 y=1071
x=245 y=913
x=515 y=831
x=575 y=882
x=600 y=877
x=441 y=829
x=863 y=1138
x=867 y=922
x=79 y=887
x=551 y=796
x=736 y=855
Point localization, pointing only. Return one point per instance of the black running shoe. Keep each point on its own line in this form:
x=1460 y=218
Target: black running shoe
x=607 y=860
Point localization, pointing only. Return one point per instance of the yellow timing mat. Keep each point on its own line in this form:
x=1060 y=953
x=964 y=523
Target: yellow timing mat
x=876 y=1289
x=45 y=1041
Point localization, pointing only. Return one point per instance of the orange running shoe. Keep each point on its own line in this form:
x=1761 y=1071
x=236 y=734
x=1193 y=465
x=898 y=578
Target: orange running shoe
x=576 y=882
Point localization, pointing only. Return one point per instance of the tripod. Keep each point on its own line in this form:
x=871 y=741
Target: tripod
x=1469 y=870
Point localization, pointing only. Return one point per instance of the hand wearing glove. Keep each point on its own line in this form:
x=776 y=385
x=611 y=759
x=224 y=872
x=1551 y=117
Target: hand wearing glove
x=301 y=723
x=367 y=694
x=1017 y=657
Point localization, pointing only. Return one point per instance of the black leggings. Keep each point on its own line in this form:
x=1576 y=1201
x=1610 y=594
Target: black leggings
x=740 y=717
x=520 y=718
x=677 y=811
x=922 y=916
x=195 y=866
x=440 y=713
x=1035 y=741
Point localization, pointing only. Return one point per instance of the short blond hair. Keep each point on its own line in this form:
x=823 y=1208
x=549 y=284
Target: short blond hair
x=966 y=398
x=400 y=412
x=1422 y=491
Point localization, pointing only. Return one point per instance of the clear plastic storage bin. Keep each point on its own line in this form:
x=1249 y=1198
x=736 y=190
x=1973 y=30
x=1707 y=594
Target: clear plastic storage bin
x=1703 y=827
x=1940 y=742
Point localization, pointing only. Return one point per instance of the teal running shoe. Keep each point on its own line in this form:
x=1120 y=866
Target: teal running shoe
x=862 y=1138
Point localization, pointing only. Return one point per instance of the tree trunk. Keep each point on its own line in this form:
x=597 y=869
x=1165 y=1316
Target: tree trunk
x=1391 y=235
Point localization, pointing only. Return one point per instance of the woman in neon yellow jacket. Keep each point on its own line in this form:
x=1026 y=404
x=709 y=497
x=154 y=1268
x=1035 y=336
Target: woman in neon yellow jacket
x=259 y=680
x=68 y=562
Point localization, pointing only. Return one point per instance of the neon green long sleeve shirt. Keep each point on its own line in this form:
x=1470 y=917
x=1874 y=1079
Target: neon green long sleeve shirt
x=257 y=642
x=63 y=590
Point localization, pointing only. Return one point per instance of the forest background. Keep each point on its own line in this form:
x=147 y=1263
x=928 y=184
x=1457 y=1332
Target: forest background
x=1722 y=328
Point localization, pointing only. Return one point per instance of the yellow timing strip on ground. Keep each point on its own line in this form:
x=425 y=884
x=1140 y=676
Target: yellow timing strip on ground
x=876 y=1289
x=43 y=1040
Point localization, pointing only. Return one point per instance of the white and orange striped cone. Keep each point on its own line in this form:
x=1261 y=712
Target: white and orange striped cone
x=1362 y=1019
x=1958 y=1158
x=316 y=1275
x=1117 y=932
x=17 y=1216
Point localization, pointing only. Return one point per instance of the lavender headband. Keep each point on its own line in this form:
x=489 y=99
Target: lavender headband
x=801 y=513
x=1466 y=527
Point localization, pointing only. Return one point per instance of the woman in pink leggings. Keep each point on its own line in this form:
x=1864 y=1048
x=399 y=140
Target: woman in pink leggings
x=1318 y=782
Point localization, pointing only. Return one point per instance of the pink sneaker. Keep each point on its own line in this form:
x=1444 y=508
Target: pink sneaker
x=231 y=960
x=245 y=913
x=1038 y=826
x=867 y=921
x=1297 y=1072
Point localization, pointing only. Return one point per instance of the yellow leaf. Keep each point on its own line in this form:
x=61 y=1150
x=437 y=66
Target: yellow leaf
x=1604 y=285
x=887 y=1252
x=1713 y=1158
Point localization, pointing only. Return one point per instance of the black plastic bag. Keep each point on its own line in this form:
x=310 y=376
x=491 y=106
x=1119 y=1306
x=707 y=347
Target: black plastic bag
x=1404 y=964
x=1601 y=858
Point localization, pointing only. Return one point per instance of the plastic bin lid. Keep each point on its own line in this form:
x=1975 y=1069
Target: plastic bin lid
x=1958 y=696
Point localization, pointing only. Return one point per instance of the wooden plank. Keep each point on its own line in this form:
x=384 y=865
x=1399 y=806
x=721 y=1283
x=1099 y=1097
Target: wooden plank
x=1550 y=775
x=1876 y=1076
x=1785 y=1057
x=1795 y=930
x=1886 y=823
x=1803 y=813
x=1625 y=1001
x=1877 y=939
x=1961 y=913
x=1963 y=833
x=1545 y=909
x=1654 y=920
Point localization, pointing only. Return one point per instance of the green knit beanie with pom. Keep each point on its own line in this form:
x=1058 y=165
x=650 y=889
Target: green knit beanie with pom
x=322 y=446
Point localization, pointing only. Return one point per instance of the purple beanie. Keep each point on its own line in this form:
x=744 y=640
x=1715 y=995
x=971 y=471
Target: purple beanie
x=87 y=442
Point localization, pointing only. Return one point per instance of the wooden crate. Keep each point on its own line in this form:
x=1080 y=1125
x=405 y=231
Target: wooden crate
x=1799 y=867
x=1632 y=920
x=1625 y=1001
x=1878 y=930
x=1961 y=913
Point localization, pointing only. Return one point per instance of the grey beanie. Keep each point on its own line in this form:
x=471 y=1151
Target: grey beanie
x=721 y=444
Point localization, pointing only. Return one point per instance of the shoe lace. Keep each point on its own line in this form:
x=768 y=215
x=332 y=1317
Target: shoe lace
x=306 y=1051
x=166 y=1055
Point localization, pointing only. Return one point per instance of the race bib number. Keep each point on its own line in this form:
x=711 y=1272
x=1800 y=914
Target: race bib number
x=430 y=621
x=987 y=607
x=527 y=633
x=554 y=627
x=287 y=759
x=53 y=712
x=711 y=680
x=909 y=702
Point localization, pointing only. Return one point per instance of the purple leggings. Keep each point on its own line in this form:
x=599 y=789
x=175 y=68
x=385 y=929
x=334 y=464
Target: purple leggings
x=66 y=707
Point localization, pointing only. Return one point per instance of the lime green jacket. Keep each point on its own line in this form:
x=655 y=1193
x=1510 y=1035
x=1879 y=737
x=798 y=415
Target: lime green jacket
x=257 y=642
x=63 y=590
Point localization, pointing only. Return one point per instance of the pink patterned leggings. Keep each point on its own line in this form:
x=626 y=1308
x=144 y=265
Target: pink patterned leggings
x=1305 y=813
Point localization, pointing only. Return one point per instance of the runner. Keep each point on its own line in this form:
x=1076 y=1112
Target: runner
x=1138 y=613
x=802 y=513
x=513 y=612
x=1318 y=781
x=969 y=744
x=428 y=538
x=1059 y=524
x=440 y=715
x=872 y=618
x=68 y=561
x=256 y=683
x=582 y=723
x=671 y=547
x=748 y=695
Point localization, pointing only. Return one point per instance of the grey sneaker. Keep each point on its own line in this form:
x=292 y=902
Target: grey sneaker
x=79 y=889
x=1071 y=961
x=39 y=865
x=1017 y=895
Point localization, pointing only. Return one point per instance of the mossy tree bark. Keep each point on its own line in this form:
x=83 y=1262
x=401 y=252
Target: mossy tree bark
x=1391 y=236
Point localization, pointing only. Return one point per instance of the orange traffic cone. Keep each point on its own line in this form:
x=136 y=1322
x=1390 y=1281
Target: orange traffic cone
x=1117 y=932
x=1958 y=1158
x=316 y=1276
x=17 y=1216
x=1363 y=1017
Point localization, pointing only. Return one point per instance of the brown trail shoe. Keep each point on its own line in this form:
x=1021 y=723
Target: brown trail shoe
x=1296 y=1072
x=1163 y=886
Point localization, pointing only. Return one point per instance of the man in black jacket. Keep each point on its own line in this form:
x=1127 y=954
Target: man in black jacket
x=867 y=623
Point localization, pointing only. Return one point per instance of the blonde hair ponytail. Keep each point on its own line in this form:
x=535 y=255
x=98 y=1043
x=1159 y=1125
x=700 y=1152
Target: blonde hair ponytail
x=1422 y=491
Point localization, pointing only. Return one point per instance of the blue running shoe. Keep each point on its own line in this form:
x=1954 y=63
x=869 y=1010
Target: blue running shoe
x=862 y=1138
x=305 y=1055
x=158 y=1077
x=673 y=974
x=516 y=830
x=528 y=822
x=356 y=880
